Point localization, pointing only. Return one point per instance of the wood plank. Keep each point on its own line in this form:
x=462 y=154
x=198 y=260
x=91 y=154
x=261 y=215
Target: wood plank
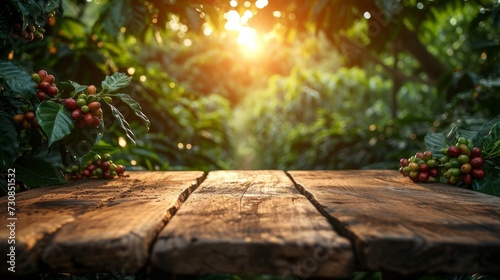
x=251 y=222
x=397 y=225
x=95 y=225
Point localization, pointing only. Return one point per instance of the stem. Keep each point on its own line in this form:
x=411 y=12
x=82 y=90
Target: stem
x=60 y=100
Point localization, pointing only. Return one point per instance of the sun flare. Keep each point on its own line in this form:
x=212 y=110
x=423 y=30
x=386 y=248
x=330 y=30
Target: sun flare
x=247 y=36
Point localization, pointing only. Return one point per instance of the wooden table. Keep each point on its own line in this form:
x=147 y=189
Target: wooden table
x=301 y=224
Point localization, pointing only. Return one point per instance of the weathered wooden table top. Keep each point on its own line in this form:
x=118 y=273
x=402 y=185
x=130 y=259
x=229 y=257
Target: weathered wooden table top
x=296 y=223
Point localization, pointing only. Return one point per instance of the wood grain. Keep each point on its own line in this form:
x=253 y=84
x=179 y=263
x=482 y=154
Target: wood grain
x=397 y=225
x=251 y=222
x=96 y=225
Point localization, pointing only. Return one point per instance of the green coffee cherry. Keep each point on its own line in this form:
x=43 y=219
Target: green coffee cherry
x=83 y=96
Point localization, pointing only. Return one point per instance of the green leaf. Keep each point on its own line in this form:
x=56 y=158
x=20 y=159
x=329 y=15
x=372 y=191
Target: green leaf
x=35 y=12
x=456 y=132
x=116 y=15
x=55 y=120
x=115 y=82
x=78 y=88
x=103 y=147
x=27 y=8
x=135 y=22
x=491 y=142
x=490 y=184
x=16 y=82
x=434 y=142
x=35 y=172
x=122 y=123
x=9 y=146
x=484 y=131
x=81 y=141
x=491 y=83
x=52 y=5
x=52 y=155
x=489 y=139
x=134 y=105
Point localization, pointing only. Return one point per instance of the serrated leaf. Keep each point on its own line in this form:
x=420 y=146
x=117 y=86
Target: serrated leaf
x=122 y=123
x=490 y=184
x=35 y=172
x=484 y=131
x=115 y=82
x=55 y=120
x=135 y=106
x=16 y=82
x=490 y=143
x=434 y=142
x=455 y=132
x=9 y=146
x=468 y=134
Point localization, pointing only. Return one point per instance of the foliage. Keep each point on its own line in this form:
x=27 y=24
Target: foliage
x=313 y=120
x=40 y=151
x=354 y=84
x=22 y=22
x=409 y=104
x=487 y=137
x=188 y=126
x=188 y=129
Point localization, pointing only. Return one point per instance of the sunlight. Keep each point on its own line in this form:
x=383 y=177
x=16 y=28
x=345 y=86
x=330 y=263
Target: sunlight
x=247 y=36
x=261 y=3
x=232 y=20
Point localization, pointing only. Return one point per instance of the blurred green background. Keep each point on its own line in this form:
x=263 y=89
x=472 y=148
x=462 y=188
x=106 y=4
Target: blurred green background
x=281 y=84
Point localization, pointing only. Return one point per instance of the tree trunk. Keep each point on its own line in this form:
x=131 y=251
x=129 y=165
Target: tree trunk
x=430 y=65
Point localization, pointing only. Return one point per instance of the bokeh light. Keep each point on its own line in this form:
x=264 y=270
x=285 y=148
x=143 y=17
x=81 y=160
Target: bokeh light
x=246 y=36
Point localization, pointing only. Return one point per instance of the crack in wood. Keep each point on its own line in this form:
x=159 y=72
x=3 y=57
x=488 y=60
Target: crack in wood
x=258 y=225
x=431 y=228
x=57 y=225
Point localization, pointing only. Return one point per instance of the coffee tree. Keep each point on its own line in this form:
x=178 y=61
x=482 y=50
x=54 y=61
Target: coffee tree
x=50 y=126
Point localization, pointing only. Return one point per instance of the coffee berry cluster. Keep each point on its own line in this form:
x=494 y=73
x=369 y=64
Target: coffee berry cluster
x=101 y=167
x=27 y=23
x=27 y=119
x=85 y=108
x=421 y=167
x=30 y=33
x=458 y=164
x=45 y=85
